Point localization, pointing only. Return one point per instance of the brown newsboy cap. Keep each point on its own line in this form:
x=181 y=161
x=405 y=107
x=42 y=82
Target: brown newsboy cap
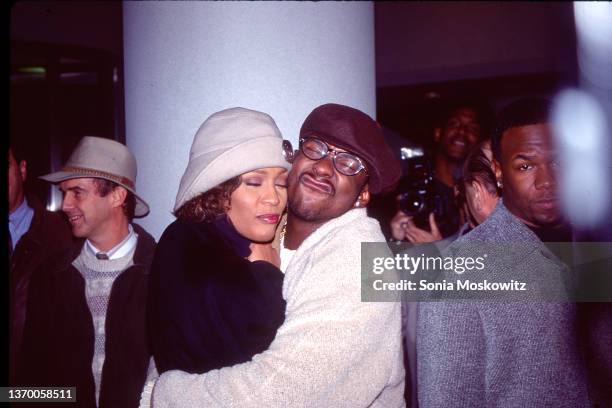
x=351 y=129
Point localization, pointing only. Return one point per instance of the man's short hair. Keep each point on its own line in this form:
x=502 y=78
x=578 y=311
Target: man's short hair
x=484 y=113
x=523 y=112
x=104 y=187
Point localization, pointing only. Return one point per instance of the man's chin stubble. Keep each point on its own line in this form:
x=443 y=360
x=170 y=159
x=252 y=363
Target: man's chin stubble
x=310 y=215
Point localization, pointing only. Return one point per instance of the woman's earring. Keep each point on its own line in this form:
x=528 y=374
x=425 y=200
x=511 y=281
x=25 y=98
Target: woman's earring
x=499 y=184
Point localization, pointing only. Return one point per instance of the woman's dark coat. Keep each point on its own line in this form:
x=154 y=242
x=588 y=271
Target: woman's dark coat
x=209 y=306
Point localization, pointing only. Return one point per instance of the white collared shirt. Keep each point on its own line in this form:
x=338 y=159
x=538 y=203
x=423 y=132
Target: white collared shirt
x=119 y=250
x=20 y=221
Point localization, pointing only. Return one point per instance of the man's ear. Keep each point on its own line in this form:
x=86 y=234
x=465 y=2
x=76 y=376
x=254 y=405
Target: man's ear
x=496 y=166
x=363 y=198
x=23 y=169
x=118 y=196
x=437 y=134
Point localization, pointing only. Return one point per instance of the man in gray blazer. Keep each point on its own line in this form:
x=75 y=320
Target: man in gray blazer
x=488 y=353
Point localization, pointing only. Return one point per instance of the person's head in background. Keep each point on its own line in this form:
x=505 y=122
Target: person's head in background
x=17 y=173
x=461 y=125
x=479 y=184
x=237 y=170
x=525 y=162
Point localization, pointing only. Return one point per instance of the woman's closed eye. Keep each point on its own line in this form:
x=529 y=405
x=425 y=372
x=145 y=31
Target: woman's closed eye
x=253 y=182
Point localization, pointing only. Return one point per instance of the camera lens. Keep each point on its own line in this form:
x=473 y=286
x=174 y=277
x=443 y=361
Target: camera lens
x=411 y=203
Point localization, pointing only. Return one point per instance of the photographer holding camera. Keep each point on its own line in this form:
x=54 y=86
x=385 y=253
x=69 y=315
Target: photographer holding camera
x=427 y=208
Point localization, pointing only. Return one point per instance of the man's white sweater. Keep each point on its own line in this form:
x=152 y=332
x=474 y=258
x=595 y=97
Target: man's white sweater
x=333 y=350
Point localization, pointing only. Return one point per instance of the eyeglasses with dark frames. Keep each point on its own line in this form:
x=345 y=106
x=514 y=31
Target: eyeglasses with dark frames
x=344 y=162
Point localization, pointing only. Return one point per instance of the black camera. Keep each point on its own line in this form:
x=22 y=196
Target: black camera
x=418 y=194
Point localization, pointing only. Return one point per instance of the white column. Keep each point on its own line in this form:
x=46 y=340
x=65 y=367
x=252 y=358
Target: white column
x=186 y=60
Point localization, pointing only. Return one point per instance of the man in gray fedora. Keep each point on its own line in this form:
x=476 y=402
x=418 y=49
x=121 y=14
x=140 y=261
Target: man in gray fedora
x=86 y=313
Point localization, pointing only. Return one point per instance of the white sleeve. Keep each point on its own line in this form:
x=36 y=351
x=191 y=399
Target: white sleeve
x=332 y=350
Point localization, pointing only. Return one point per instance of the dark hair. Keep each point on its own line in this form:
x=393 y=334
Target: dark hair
x=523 y=112
x=104 y=187
x=481 y=108
x=477 y=167
x=209 y=205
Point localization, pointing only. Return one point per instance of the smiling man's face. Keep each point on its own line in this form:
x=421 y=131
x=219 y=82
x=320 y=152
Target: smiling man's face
x=529 y=166
x=89 y=214
x=317 y=192
x=461 y=131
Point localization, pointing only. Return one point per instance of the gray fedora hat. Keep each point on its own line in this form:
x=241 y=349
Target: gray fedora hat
x=97 y=157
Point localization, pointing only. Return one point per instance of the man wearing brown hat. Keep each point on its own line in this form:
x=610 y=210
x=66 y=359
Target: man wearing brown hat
x=86 y=313
x=332 y=349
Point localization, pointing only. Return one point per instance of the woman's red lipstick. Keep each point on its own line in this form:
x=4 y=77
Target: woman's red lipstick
x=269 y=218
